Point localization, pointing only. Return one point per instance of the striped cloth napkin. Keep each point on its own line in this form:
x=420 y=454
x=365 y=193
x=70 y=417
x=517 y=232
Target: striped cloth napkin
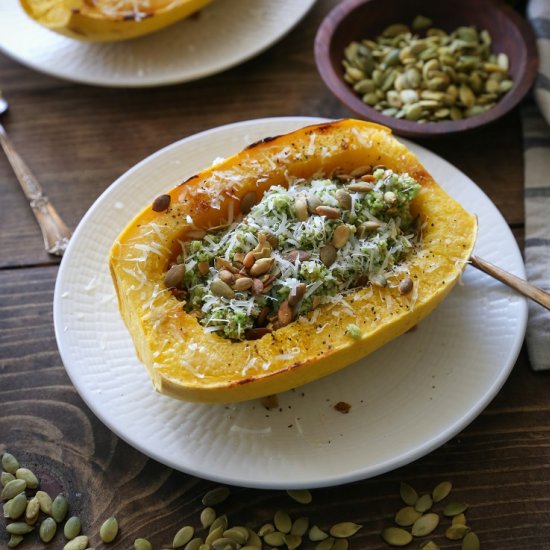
x=536 y=135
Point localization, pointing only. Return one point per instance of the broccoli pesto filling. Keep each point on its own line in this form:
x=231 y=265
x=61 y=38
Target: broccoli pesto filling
x=296 y=249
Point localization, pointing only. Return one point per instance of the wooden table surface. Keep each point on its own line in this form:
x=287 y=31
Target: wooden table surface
x=78 y=139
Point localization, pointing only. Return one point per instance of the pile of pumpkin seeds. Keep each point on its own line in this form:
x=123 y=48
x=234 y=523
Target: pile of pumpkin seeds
x=419 y=520
x=47 y=514
x=37 y=510
x=424 y=74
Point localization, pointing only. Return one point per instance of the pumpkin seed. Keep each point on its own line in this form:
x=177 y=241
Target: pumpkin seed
x=424 y=503
x=60 y=507
x=108 y=530
x=32 y=511
x=340 y=236
x=325 y=544
x=266 y=529
x=275 y=539
x=441 y=491
x=5 y=478
x=395 y=536
x=327 y=254
x=19 y=528
x=408 y=494
x=219 y=288
x=208 y=515
x=9 y=463
x=72 y=527
x=28 y=476
x=282 y=521
x=300 y=526
x=13 y=488
x=6 y=509
x=17 y=505
x=261 y=266
x=242 y=284
x=254 y=540
x=194 y=544
x=285 y=313
x=142 y=544
x=238 y=534
x=454 y=508
x=344 y=529
x=425 y=525
x=292 y=541
x=340 y=544
x=429 y=545
x=315 y=534
x=470 y=541
x=406 y=516
x=205 y=547
x=343 y=198
x=45 y=502
x=456 y=532
x=329 y=212
x=47 y=530
x=459 y=520
x=183 y=536
x=78 y=543
x=15 y=540
x=215 y=534
x=360 y=187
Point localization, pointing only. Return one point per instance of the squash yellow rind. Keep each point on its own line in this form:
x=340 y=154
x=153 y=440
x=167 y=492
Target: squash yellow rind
x=109 y=20
x=187 y=363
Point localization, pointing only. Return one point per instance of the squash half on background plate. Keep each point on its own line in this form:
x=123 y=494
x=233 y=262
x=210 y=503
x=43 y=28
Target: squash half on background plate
x=189 y=363
x=109 y=20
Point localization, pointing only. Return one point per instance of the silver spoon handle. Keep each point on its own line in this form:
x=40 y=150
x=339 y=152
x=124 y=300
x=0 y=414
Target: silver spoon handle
x=523 y=287
x=55 y=233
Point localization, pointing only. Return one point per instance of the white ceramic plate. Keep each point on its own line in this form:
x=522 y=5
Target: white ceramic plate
x=406 y=399
x=226 y=32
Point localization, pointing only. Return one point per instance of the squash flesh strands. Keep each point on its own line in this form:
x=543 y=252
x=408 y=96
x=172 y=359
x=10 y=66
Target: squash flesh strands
x=109 y=20
x=189 y=363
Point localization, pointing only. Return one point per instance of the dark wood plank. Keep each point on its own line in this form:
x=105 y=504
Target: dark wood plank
x=499 y=464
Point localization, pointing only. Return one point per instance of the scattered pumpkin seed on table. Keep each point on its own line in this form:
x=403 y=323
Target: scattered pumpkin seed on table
x=183 y=536
x=441 y=491
x=395 y=536
x=425 y=525
x=109 y=529
x=470 y=541
x=216 y=496
x=344 y=529
x=408 y=494
x=142 y=544
x=303 y=496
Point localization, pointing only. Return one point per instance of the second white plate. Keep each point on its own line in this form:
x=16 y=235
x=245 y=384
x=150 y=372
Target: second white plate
x=406 y=399
x=225 y=33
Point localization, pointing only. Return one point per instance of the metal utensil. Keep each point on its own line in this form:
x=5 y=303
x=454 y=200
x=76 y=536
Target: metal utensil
x=55 y=233
x=523 y=287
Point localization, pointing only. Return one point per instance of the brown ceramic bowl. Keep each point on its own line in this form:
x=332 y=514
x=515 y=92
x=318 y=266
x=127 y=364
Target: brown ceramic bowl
x=359 y=19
